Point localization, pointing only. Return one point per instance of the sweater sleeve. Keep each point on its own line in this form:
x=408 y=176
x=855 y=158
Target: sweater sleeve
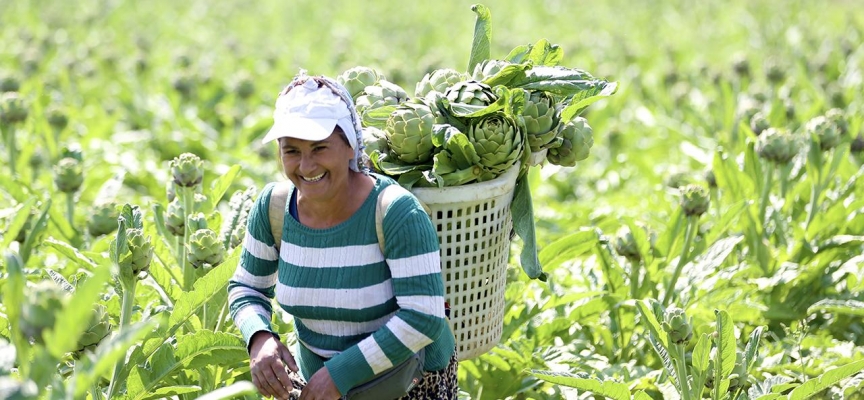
x=251 y=289
x=412 y=254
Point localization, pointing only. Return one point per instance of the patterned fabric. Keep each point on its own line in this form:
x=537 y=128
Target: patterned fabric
x=354 y=311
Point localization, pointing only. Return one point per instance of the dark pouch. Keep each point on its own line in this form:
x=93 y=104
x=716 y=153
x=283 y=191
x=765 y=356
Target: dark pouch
x=393 y=383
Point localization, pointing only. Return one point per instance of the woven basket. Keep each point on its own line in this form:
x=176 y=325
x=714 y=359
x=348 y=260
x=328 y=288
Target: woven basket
x=473 y=223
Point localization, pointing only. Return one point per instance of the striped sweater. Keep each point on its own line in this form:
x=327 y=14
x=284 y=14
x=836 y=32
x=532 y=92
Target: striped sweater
x=353 y=312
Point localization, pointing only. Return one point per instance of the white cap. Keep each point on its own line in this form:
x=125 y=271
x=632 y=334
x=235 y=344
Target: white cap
x=311 y=113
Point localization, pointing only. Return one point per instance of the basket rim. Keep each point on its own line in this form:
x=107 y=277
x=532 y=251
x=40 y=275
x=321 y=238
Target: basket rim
x=472 y=192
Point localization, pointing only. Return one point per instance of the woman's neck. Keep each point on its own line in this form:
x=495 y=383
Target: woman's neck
x=337 y=209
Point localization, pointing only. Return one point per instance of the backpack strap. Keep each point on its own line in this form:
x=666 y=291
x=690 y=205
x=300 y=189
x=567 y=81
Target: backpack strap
x=278 y=199
x=385 y=198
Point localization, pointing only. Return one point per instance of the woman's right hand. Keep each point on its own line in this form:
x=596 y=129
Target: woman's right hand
x=268 y=358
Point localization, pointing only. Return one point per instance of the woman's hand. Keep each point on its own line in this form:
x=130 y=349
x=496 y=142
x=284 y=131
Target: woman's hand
x=320 y=387
x=268 y=358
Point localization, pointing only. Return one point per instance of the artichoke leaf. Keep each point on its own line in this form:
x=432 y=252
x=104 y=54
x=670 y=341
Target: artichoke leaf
x=409 y=179
x=545 y=53
x=508 y=74
x=522 y=209
x=461 y=151
x=480 y=46
x=377 y=117
x=471 y=111
x=441 y=133
x=462 y=176
x=580 y=101
x=393 y=168
x=519 y=54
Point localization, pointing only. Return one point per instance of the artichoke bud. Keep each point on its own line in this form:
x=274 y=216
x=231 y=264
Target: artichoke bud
x=37 y=160
x=9 y=83
x=374 y=139
x=777 y=146
x=826 y=132
x=139 y=255
x=738 y=376
x=488 y=69
x=676 y=324
x=237 y=235
x=184 y=84
x=775 y=73
x=758 y=123
x=171 y=190
x=541 y=120
x=103 y=219
x=187 y=170
x=174 y=218
x=678 y=179
x=741 y=67
x=197 y=221
x=710 y=178
x=471 y=92
x=98 y=329
x=57 y=118
x=12 y=108
x=438 y=81
x=835 y=116
x=857 y=145
x=578 y=137
x=694 y=200
x=244 y=87
x=68 y=175
x=410 y=132
x=205 y=249
x=356 y=79
x=626 y=246
x=39 y=312
x=382 y=94
x=497 y=142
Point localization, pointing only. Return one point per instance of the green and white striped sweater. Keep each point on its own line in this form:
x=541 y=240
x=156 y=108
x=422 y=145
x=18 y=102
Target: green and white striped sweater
x=353 y=312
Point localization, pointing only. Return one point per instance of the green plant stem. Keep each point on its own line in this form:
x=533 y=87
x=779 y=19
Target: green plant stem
x=765 y=197
x=815 y=191
x=689 y=234
x=681 y=369
x=70 y=208
x=10 y=146
x=95 y=392
x=188 y=272
x=128 y=285
x=634 y=277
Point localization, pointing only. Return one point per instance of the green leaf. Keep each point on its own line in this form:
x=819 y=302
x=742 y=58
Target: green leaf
x=641 y=395
x=702 y=354
x=752 y=348
x=171 y=391
x=203 y=290
x=518 y=54
x=610 y=389
x=220 y=186
x=480 y=46
x=36 y=230
x=233 y=391
x=569 y=247
x=842 y=307
x=826 y=380
x=22 y=212
x=107 y=354
x=75 y=317
x=545 y=53
x=726 y=346
x=594 y=92
x=523 y=223
x=651 y=322
x=72 y=254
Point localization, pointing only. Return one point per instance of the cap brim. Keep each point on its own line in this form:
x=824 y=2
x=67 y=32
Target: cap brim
x=301 y=128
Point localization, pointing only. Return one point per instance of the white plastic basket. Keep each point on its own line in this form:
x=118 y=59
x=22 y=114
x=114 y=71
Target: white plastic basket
x=473 y=223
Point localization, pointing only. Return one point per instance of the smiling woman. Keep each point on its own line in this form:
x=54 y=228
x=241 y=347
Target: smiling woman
x=362 y=311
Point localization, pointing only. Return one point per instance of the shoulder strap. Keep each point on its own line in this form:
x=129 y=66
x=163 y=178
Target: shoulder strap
x=278 y=198
x=385 y=198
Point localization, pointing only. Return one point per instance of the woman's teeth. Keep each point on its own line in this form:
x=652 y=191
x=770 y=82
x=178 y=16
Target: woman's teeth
x=314 y=178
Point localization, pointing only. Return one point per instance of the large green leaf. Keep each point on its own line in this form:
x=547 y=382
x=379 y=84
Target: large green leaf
x=610 y=389
x=592 y=93
x=220 y=186
x=826 y=380
x=522 y=210
x=111 y=350
x=72 y=254
x=233 y=391
x=569 y=247
x=22 y=213
x=75 y=317
x=838 y=307
x=480 y=46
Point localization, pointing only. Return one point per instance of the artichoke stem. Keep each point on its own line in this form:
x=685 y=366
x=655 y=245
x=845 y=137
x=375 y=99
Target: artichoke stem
x=815 y=191
x=128 y=285
x=10 y=145
x=689 y=233
x=635 y=266
x=188 y=273
x=681 y=369
x=70 y=208
x=763 y=201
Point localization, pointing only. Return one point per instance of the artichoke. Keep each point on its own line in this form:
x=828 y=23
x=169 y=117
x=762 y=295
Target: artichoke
x=68 y=175
x=738 y=377
x=244 y=86
x=174 y=218
x=103 y=219
x=187 y=170
x=710 y=178
x=234 y=226
x=196 y=221
x=374 y=140
x=836 y=116
x=356 y=79
x=12 y=109
x=541 y=120
x=676 y=324
x=139 y=254
x=694 y=200
x=626 y=246
x=99 y=328
x=438 y=81
x=205 y=249
x=488 y=69
x=758 y=123
x=497 y=141
x=39 y=312
x=857 y=145
x=471 y=92
x=577 y=140
x=9 y=83
x=381 y=94
x=777 y=146
x=825 y=131
x=57 y=118
x=409 y=132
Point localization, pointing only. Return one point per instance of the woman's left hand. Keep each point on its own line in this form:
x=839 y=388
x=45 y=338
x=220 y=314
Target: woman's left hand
x=320 y=387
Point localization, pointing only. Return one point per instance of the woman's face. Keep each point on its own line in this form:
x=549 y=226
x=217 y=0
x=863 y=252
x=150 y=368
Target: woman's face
x=319 y=170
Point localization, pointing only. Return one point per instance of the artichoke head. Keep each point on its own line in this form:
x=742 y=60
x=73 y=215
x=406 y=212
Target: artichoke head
x=356 y=79
x=438 y=81
x=12 y=109
x=758 y=123
x=196 y=221
x=626 y=245
x=694 y=200
x=409 y=132
x=777 y=145
x=488 y=69
x=57 y=118
x=474 y=93
x=139 y=254
x=836 y=116
x=676 y=324
x=577 y=139
x=541 y=120
x=99 y=328
x=187 y=170
x=205 y=249
x=39 y=312
x=857 y=145
x=382 y=94
x=825 y=131
x=497 y=141
x=68 y=175
x=9 y=83
x=375 y=139
x=103 y=219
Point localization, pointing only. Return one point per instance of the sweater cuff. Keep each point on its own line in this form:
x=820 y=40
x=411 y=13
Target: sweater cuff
x=348 y=369
x=253 y=324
